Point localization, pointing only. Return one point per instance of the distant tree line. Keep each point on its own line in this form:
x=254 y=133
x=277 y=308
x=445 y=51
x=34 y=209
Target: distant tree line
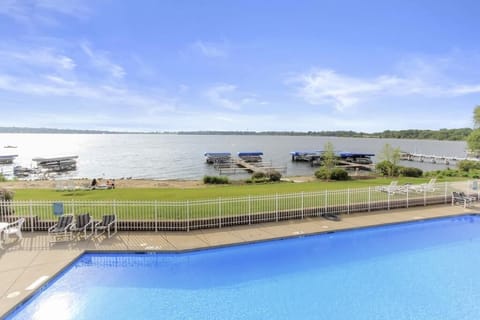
x=442 y=134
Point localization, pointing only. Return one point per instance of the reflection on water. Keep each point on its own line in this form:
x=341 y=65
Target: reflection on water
x=162 y=156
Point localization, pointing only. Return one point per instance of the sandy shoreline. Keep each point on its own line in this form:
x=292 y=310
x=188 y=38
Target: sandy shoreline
x=120 y=183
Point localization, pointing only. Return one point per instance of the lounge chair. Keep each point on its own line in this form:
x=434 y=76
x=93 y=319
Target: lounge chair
x=14 y=228
x=61 y=231
x=424 y=187
x=391 y=188
x=82 y=224
x=109 y=222
x=462 y=199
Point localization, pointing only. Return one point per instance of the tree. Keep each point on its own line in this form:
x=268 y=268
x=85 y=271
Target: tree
x=328 y=157
x=473 y=139
x=390 y=157
x=476 y=117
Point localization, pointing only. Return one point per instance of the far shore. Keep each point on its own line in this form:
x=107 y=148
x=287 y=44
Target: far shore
x=121 y=183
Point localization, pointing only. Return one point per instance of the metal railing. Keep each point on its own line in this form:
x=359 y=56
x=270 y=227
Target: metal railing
x=221 y=212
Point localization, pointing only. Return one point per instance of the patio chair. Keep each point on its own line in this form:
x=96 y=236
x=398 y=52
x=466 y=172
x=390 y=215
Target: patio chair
x=391 y=188
x=425 y=187
x=109 y=222
x=82 y=224
x=14 y=228
x=461 y=198
x=61 y=231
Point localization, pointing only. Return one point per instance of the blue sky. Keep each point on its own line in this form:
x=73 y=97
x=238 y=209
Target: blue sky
x=239 y=65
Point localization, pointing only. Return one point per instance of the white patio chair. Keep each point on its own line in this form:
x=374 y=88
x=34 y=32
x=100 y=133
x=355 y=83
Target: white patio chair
x=14 y=228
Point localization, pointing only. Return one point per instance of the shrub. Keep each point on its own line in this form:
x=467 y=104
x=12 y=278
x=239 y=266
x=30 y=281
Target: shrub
x=339 y=174
x=334 y=174
x=274 y=176
x=467 y=165
x=5 y=196
x=322 y=173
x=387 y=168
x=215 y=180
x=410 y=172
x=2 y=178
x=258 y=175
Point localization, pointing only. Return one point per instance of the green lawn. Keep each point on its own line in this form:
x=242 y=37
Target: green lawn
x=210 y=192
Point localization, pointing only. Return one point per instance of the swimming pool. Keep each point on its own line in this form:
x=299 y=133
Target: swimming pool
x=421 y=270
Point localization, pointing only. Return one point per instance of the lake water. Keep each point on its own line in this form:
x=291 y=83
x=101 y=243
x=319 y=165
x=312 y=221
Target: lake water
x=170 y=156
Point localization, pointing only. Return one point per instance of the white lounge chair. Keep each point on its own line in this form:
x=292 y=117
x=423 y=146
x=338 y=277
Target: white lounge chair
x=424 y=187
x=391 y=188
x=109 y=222
x=14 y=228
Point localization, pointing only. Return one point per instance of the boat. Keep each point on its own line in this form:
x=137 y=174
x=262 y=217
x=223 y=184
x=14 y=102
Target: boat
x=8 y=159
x=9 y=146
x=57 y=164
x=255 y=156
x=305 y=155
x=218 y=157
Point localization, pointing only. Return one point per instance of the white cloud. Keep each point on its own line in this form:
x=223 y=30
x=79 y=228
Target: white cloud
x=41 y=57
x=210 y=49
x=42 y=11
x=327 y=87
x=227 y=96
x=102 y=62
x=218 y=94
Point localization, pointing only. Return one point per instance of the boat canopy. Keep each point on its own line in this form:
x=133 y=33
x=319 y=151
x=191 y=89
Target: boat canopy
x=250 y=154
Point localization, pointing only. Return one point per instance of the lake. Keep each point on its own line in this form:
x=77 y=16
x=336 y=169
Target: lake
x=170 y=156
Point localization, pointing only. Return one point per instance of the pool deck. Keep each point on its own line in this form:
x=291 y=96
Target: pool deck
x=26 y=264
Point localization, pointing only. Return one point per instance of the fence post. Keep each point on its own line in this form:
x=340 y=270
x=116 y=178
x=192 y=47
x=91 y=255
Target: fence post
x=446 y=192
x=219 y=212
x=326 y=202
x=156 y=216
x=407 y=196
x=303 y=206
x=369 y=198
x=348 y=201
x=31 y=216
x=249 y=209
x=188 y=215
x=73 y=207
x=424 y=197
x=276 y=207
x=388 y=200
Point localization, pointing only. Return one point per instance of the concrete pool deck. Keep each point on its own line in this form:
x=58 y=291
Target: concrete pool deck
x=26 y=264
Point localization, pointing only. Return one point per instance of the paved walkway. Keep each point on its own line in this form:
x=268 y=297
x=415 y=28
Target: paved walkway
x=26 y=264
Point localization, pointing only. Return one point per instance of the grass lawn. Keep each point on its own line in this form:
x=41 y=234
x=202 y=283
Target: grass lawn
x=210 y=192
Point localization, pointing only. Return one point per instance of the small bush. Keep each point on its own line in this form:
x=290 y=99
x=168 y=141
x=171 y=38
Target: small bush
x=259 y=175
x=2 y=178
x=274 y=176
x=386 y=168
x=334 y=174
x=322 y=173
x=339 y=174
x=467 y=165
x=410 y=172
x=215 y=180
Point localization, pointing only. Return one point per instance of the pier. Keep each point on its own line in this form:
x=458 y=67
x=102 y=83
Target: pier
x=247 y=162
x=420 y=157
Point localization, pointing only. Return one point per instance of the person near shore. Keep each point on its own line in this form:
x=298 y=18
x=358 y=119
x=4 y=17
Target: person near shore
x=94 y=183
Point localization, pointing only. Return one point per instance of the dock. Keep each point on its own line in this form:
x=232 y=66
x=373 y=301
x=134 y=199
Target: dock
x=420 y=157
x=8 y=159
x=57 y=164
x=247 y=162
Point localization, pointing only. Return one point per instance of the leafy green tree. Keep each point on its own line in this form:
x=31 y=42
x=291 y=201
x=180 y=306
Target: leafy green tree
x=390 y=157
x=328 y=156
x=476 y=117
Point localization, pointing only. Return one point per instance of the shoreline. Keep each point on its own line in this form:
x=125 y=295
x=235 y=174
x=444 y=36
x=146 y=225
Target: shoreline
x=123 y=183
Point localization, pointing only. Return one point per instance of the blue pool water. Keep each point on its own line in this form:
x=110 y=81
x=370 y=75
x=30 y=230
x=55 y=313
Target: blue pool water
x=422 y=270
